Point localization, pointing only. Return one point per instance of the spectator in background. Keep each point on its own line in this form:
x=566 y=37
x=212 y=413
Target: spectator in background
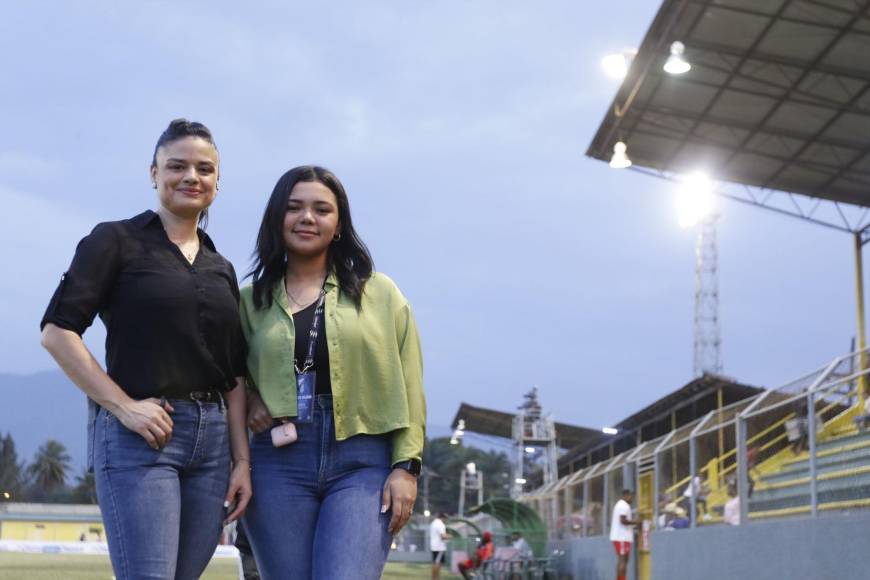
x=731 y=515
x=667 y=515
x=522 y=549
x=484 y=552
x=793 y=434
x=698 y=487
x=438 y=543
x=680 y=521
x=622 y=532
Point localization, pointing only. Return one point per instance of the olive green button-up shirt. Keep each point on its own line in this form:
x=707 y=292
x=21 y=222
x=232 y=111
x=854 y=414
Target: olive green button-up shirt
x=375 y=362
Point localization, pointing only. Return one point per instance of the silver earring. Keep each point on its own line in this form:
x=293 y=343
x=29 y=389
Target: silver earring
x=153 y=185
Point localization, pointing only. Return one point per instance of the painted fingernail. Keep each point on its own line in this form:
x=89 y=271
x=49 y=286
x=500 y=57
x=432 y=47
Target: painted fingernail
x=226 y=504
x=384 y=509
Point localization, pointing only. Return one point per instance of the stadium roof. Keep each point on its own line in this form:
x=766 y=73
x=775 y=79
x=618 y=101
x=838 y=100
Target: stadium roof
x=778 y=98
x=499 y=424
x=688 y=403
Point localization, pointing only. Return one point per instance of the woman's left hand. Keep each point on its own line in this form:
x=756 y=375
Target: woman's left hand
x=239 y=491
x=400 y=492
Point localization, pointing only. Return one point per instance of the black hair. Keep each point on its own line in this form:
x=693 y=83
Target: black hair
x=348 y=256
x=179 y=129
x=627 y=492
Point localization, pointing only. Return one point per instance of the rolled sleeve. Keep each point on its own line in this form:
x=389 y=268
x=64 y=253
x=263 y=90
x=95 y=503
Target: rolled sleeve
x=408 y=442
x=86 y=285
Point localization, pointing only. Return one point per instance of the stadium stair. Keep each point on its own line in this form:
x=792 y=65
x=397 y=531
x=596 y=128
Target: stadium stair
x=843 y=471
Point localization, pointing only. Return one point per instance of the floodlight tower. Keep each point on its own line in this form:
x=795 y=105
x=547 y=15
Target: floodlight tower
x=708 y=334
x=533 y=431
x=695 y=204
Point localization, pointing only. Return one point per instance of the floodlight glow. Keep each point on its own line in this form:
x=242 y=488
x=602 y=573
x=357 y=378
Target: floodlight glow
x=530 y=449
x=620 y=158
x=520 y=480
x=676 y=63
x=7 y=495
x=609 y=430
x=427 y=513
x=471 y=468
x=615 y=65
x=695 y=199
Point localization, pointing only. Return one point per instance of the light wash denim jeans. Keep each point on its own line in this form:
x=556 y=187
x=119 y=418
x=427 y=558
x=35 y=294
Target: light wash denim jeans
x=316 y=509
x=163 y=509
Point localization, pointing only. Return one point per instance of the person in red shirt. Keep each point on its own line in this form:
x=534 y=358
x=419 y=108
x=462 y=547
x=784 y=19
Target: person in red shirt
x=484 y=552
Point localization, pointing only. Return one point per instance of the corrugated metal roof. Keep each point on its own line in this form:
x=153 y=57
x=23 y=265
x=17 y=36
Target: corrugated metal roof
x=778 y=96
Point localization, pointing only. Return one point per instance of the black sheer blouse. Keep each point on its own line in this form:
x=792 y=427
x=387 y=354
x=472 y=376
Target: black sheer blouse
x=171 y=327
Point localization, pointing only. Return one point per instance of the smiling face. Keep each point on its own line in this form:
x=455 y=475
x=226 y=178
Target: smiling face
x=311 y=221
x=186 y=173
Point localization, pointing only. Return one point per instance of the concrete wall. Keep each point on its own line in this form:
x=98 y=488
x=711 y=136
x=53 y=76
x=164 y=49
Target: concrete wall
x=588 y=559
x=827 y=548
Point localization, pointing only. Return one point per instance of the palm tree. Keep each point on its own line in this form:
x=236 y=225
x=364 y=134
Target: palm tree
x=50 y=466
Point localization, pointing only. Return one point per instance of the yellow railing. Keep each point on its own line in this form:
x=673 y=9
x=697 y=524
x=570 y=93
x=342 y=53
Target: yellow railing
x=722 y=471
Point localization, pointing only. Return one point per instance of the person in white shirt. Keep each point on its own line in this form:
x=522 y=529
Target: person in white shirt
x=622 y=532
x=438 y=543
x=522 y=550
x=731 y=515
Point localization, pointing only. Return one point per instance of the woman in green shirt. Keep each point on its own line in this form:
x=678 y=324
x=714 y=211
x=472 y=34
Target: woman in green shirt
x=336 y=390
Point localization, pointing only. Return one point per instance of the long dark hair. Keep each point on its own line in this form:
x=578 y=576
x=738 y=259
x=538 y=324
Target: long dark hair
x=179 y=129
x=348 y=256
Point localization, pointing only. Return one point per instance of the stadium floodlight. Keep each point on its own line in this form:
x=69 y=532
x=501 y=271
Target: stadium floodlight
x=427 y=513
x=620 y=158
x=530 y=449
x=520 y=480
x=7 y=495
x=471 y=468
x=676 y=63
x=695 y=199
x=616 y=65
x=609 y=430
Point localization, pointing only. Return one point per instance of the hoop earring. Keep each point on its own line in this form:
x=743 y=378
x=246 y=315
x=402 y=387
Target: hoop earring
x=337 y=237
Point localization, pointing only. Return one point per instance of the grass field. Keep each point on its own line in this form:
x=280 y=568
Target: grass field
x=66 y=567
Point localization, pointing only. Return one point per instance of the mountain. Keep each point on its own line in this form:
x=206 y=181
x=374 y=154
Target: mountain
x=42 y=406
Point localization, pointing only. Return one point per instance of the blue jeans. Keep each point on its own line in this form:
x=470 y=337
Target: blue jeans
x=316 y=508
x=163 y=509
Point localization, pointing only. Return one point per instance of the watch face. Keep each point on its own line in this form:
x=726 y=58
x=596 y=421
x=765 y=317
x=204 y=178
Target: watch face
x=412 y=466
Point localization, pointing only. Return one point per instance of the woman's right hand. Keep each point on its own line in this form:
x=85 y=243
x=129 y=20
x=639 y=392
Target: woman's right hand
x=259 y=418
x=149 y=419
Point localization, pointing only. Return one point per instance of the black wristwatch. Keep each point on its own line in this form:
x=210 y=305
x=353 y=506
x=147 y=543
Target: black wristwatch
x=412 y=466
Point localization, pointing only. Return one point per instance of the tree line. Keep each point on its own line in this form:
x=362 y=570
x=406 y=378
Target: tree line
x=44 y=479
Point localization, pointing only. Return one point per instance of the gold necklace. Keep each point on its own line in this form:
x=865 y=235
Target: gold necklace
x=190 y=255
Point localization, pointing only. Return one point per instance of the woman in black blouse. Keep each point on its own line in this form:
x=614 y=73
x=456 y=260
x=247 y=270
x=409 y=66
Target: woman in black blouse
x=169 y=408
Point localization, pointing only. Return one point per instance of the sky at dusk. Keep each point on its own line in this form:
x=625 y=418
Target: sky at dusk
x=459 y=130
